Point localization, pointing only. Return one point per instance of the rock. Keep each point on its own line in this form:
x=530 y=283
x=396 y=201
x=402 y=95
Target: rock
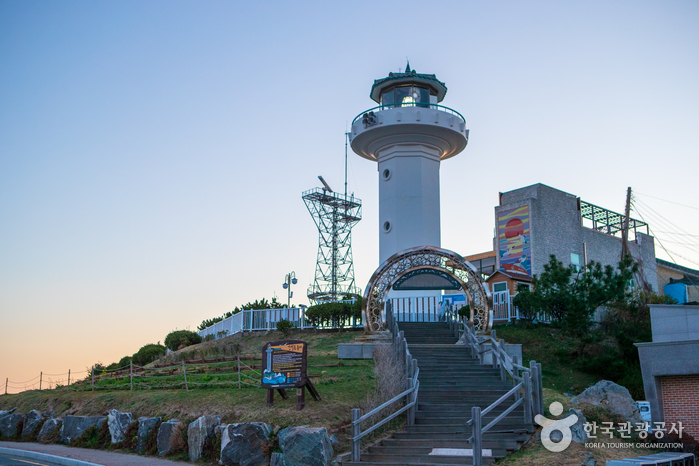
x=9 y=411
x=32 y=422
x=333 y=440
x=165 y=436
x=578 y=430
x=145 y=427
x=590 y=462
x=198 y=433
x=241 y=444
x=276 y=429
x=10 y=425
x=118 y=423
x=75 y=426
x=303 y=446
x=49 y=426
x=611 y=396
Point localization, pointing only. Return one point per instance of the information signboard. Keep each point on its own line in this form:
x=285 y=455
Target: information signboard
x=284 y=364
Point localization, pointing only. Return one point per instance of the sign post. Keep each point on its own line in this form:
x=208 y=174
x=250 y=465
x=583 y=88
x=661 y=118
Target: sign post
x=284 y=366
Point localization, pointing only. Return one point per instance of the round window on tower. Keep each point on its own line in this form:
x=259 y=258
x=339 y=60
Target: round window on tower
x=386 y=174
x=386 y=227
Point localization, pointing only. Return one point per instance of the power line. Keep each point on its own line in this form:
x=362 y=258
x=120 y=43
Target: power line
x=667 y=224
x=671 y=202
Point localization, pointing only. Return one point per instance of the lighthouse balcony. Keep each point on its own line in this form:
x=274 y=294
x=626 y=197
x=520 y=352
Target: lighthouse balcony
x=409 y=123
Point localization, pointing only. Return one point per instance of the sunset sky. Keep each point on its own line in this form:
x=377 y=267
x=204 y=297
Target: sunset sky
x=153 y=153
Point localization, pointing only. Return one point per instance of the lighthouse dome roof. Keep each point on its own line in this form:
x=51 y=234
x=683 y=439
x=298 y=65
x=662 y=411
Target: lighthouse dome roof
x=409 y=76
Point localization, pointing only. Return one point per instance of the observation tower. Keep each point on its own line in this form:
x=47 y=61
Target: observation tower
x=409 y=133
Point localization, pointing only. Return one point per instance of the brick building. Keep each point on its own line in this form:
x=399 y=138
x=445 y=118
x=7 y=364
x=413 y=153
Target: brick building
x=670 y=366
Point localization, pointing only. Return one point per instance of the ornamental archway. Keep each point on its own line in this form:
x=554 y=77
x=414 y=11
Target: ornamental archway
x=411 y=260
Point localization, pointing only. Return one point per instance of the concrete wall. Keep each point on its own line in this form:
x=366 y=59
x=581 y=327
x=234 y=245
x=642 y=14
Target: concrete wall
x=660 y=359
x=556 y=228
x=674 y=322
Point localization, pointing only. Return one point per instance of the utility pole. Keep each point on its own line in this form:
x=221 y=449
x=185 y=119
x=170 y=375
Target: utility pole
x=625 y=229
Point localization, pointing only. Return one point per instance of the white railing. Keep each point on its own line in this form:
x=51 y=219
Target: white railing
x=412 y=371
x=266 y=319
x=415 y=308
x=255 y=319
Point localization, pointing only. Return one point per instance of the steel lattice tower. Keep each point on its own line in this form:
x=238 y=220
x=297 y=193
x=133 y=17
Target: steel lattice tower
x=334 y=214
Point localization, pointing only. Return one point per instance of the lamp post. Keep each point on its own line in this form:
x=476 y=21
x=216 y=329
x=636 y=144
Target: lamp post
x=289 y=280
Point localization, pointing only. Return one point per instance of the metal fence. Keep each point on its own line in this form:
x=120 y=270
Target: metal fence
x=267 y=319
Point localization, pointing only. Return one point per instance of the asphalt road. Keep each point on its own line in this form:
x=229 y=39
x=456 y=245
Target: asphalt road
x=16 y=461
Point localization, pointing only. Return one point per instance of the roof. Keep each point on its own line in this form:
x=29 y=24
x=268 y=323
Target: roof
x=407 y=77
x=482 y=255
x=513 y=275
x=679 y=268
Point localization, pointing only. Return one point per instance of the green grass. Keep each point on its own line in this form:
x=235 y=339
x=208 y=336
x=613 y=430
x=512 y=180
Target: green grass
x=341 y=389
x=548 y=346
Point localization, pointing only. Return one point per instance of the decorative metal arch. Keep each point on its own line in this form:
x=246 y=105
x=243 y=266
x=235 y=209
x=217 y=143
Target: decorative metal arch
x=425 y=257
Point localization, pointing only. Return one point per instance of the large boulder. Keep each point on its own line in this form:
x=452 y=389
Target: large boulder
x=611 y=396
x=11 y=425
x=198 y=433
x=145 y=427
x=9 y=411
x=48 y=428
x=118 y=422
x=75 y=426
x=577 y=430
x=241 y=444
x=303 y=446
x=167 y=436
x=32 y=422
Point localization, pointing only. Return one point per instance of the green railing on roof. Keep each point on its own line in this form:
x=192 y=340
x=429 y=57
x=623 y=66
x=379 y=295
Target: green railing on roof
x=381 y=108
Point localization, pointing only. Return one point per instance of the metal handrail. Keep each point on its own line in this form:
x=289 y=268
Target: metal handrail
x=530 y=384
x=411 y=369
x=380 y=108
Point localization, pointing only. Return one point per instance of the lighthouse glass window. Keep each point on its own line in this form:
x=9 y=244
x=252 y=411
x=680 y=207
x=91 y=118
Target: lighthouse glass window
x=406 y=96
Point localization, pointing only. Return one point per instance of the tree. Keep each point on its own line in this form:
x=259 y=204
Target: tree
x=571 y=296
x=181 y=338
x=148 y=354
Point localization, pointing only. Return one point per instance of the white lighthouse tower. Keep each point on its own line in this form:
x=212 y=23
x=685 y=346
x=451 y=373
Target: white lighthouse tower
x=408 y=134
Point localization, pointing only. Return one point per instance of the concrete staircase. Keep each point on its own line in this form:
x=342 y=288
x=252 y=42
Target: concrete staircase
x=451 y=383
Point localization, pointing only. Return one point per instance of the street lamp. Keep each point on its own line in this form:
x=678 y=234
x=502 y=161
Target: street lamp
x=289 y=280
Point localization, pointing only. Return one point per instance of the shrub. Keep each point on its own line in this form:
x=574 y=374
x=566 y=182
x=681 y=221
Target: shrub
x=148 y=354
x=465 y=311
x=181 y=338
x=334 y=314
x=285 y=327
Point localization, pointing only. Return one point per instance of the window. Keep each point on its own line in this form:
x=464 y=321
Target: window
x=575 y=261
x=386 y=227
x=522 y=286
x=386 y=174
x=498 y=287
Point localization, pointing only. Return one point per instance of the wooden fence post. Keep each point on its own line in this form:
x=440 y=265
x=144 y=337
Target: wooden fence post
x=515 y=370
x=527 y=398
x=356 y=430
x=131 y=373
x=238 y=358
x=477 y=436
x=184 y=371
x=535 y=387
x=41 y=376
x=6 y=380
x=541 y=388
x=501 y=351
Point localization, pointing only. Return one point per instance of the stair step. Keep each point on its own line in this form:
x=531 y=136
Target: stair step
x=503 y=444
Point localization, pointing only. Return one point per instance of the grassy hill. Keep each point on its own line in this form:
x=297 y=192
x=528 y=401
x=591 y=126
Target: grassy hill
x=342 y=386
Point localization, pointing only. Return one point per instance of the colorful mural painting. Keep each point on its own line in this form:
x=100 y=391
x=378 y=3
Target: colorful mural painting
x=513 y=240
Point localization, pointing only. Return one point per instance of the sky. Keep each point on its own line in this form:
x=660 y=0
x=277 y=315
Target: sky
x=153 y=154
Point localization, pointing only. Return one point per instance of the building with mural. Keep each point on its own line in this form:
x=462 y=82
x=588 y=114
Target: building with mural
x=535 y=222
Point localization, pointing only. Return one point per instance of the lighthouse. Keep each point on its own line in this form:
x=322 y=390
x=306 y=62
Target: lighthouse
x=408 y=134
